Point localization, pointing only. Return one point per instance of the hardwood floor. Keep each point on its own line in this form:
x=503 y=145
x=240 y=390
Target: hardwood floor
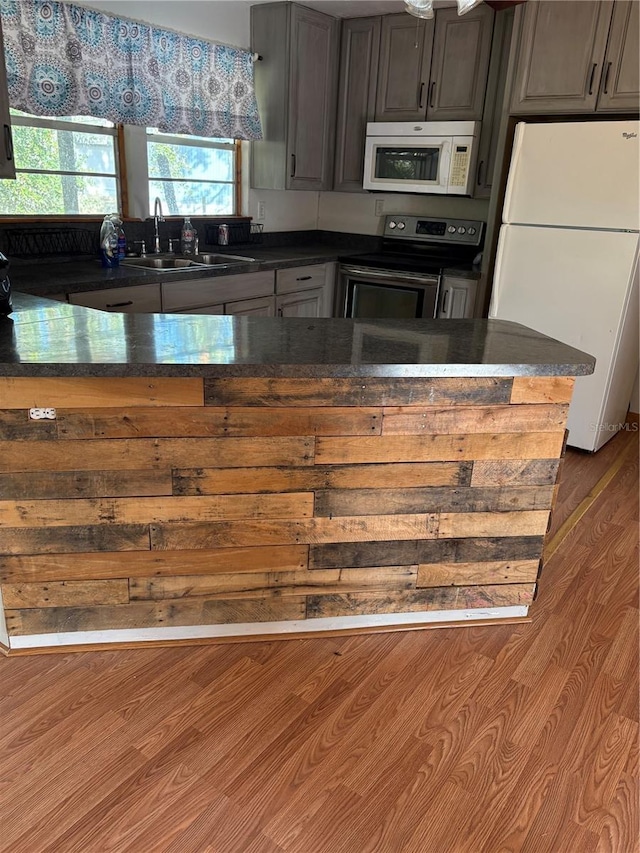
x=476 y=740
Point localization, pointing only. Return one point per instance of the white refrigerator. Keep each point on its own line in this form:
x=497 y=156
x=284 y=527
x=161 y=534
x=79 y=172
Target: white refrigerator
x=567 y=260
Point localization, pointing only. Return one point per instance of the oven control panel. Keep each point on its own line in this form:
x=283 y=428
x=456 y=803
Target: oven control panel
x=467 y=232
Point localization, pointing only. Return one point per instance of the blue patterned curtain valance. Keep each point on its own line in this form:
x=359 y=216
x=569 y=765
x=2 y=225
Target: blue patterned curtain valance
x=64 y=60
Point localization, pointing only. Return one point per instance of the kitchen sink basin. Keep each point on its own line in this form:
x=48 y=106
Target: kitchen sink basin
x=159 y=263
x=180 y=262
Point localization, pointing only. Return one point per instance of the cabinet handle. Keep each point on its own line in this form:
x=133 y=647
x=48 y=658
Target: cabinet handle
x=8 y=142
x=444 y=302
x=119 y=304
x=280 y=314
x=431 y=91
x=606 y=78
x=293 y=165
x=479 y=177
x=304 y=278
x=420 y=97
x=591 y=78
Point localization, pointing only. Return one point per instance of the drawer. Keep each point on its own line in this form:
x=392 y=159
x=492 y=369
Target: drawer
x=187 y=293
x=300 y=278
x=140 y=299
x=208 y=309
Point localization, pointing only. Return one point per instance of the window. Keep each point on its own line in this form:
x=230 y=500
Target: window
x=193 y=176
x=64 y=166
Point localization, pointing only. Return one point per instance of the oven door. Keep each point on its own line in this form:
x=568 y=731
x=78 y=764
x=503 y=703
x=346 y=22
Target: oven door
x=386 y=294
x=407 y=164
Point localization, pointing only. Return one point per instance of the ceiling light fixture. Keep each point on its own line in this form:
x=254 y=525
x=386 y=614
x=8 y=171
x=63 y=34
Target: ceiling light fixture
x=424 y=8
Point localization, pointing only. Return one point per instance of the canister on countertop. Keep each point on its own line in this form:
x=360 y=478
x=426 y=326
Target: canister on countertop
x=5 y=287
x=223 y=235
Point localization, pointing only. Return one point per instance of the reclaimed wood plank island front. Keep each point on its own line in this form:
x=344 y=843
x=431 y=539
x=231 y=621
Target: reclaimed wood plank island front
x=191 y=477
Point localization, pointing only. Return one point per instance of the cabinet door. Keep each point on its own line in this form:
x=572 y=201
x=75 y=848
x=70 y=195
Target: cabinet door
x=140 y=299
x=457 y=300
x=307 y=303
x=263 y=307
x=620 y=85
x=298 y=282
x=560 y=56
x=461 y=50
x=403 y=74
x=201 y=292
x=312 y=99
x=360 y=47
x=7 y=165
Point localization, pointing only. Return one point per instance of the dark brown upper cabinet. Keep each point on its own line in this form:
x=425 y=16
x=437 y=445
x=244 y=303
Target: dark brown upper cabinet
x=576 y=57
x=620 y=89
x=403 y=74
x=459 y=64
x=296 y=88
x=359 y=51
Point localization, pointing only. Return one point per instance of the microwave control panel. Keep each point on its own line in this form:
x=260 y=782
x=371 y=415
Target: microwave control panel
x=460 y=162
x=426 y=229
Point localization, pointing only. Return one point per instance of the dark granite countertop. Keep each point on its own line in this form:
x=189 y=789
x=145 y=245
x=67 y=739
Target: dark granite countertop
x=54 y=278
x=46 y=338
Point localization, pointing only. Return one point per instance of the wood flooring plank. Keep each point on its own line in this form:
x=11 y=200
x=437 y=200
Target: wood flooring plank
x=380 y=501
x=154 y=454
x=423 y=448
x=283 y=532
x=207 y=481
x=211 y=421
x=106 y=564
x=146 y=510
x=65 y=593
x=542 y=389
x=92 y=392
x=356 y=392
x=75 y=538
x=85 y=484
x=412 y=420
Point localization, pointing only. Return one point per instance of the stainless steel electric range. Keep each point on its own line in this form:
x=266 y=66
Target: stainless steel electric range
x=403 y=280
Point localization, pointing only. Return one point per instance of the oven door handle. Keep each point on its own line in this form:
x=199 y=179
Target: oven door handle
x=394 y=275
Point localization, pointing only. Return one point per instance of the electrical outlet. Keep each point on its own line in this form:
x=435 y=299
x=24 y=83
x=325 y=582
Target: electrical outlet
x=40 y=414
x=379 y=207
x=262 y=210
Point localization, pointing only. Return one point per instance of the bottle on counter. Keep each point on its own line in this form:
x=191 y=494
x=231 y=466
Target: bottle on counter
x=122 y=244
x=5 y=287
x=109 y=240
x=188 y=237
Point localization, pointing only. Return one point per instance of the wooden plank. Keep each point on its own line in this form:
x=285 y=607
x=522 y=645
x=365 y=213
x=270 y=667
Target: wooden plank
x=534 y=472
x=388 y=501
x=425 y=551
x=160 y=614
x=423 y=448
x=469 y=574
x=356 y=392
x=438 y=598
x=62 y=513
x=162 y=453
x=252 y=584
x=461 y=419
x=17 y=425
x=94 y=392
x=48 y=567
x=207 y=481
x=84 y=484
x=473 y=524
x=266 y=532
x=75 y=538
x=214 y=421
x=542 y=389
x=65 y=593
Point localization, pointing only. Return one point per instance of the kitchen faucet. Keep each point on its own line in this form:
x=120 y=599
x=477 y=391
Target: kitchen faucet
x=157 y=205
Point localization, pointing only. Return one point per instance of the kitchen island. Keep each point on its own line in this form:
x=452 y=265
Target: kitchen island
x=182 y=478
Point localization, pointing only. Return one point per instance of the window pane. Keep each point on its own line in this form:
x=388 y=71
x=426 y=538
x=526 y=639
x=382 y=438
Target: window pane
x=192 y=199
x=69 y=151
x=48 y=195
x=189 y=162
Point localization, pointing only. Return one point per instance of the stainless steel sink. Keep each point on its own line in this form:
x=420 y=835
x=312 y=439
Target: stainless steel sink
x=179 y=262
x=160 y=263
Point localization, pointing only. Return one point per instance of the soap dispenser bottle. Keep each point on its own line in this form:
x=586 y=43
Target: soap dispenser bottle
x=188 y=237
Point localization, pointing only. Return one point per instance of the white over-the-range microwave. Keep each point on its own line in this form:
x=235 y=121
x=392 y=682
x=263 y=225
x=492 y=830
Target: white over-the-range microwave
x=421 y=157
